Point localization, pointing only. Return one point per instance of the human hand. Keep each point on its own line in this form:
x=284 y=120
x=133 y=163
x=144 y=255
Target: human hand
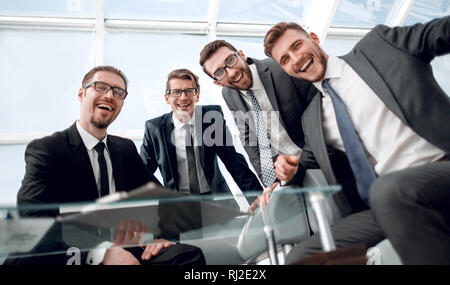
x=263 y=199
x=286 y=166
x=155 y=247
x=128 y=234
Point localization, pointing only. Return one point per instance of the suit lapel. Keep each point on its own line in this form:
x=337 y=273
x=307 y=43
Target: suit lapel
x=82 y=157
x=116 y=161
x=234 y=100
x=167 y=132
x=358 y=61
x=199 y=132
x=266 y=79
x=312 y=124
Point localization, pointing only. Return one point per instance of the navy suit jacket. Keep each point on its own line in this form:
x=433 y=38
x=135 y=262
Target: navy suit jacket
x=157 y=150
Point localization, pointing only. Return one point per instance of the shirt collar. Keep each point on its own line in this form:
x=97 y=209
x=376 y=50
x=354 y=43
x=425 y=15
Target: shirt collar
x=335 y=69
x=178 y=125
x=89 y=140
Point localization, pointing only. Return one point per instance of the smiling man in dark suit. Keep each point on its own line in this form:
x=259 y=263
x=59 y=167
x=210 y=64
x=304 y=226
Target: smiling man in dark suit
x=64 y=167
x=266 y=103
x=83 y=162
x=381 y=107
x=185 y=143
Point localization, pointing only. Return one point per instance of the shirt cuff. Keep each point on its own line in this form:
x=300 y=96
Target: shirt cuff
x=95 y=255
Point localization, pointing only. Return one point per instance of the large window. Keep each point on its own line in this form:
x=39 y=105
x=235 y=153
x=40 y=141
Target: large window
x=263 y=11
x=192 y=10
x=48 y=45
x=364 y=13
x=40 y=75
x=48 y=8
x=425 y=10
x=147 y=59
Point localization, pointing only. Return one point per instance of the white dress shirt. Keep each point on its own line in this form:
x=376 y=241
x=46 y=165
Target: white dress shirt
x=280 y=141
x=389 y=143
x=95 y=256
x=179 y=135
x=90 y=142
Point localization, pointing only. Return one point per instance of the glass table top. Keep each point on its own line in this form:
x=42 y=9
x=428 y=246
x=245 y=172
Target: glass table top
x=152 y=212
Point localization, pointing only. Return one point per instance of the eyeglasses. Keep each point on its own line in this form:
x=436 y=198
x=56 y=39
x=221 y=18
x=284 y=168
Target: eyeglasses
x=104 y=88
x=189 y=92
x=220 y=73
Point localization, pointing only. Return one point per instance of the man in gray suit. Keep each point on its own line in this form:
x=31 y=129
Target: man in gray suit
x=381 y=105
x=266 y=103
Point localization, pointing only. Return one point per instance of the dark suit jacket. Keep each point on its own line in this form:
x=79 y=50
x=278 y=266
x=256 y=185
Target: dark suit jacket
x=58 y=170
x=395 y=63
x=289 y=96
x=157 y=150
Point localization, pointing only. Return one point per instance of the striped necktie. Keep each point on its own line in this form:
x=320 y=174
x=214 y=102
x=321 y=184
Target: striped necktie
x=265 y=153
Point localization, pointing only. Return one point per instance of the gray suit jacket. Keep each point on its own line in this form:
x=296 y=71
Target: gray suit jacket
x=395 y=63
x=289 y=96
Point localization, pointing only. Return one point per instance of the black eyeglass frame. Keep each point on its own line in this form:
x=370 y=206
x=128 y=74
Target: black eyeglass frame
x=169 y=92
x=118 y=96
x=224 y=68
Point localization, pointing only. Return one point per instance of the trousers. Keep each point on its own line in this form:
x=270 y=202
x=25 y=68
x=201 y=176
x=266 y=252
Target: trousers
x=412 y=208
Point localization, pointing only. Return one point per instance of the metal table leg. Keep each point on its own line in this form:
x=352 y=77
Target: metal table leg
x=316 y=199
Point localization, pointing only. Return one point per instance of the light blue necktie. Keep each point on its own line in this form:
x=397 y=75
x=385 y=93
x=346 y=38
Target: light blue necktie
x=362 y=169
x=265 y=153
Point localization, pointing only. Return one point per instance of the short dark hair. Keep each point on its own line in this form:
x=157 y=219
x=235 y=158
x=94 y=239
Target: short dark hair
x=276 y=32
x=210 y=49
x=88 y=77
x=182 y=74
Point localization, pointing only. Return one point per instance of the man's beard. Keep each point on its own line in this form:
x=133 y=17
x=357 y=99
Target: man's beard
x=250 y=77
x=248 y=72
x=100 y=125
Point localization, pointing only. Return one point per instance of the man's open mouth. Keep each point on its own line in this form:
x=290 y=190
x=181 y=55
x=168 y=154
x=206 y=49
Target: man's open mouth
x=105 y=107
x=306 y=65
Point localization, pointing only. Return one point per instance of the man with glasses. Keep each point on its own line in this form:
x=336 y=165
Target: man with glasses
x=186 y=143
x=267 y=105
x=83 y=163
